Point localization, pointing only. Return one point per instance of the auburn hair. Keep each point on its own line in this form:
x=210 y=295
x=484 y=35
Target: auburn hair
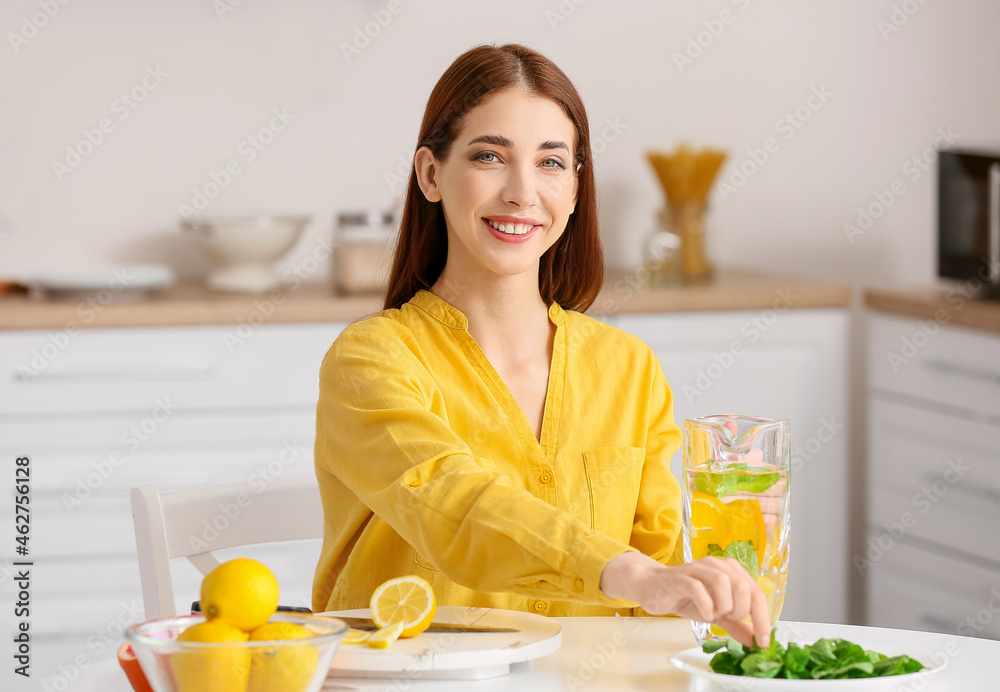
x=571 y=271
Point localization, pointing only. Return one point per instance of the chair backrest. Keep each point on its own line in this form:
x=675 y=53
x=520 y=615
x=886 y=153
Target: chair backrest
x=192 y=523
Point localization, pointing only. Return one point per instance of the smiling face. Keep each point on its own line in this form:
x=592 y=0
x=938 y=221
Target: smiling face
x=507 y=187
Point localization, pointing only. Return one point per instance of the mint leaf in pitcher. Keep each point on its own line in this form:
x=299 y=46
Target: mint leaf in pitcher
x=721 y=480
x=757 y=482
x=741 y=551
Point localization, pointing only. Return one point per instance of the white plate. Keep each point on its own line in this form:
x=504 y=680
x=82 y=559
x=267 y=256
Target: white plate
x=695 y=662
x=119 y=283
x=467 y=656
x=123 y=277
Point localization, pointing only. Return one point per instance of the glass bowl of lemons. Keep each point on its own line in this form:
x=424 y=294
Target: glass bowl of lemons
x=290 y=652
x=238 y=643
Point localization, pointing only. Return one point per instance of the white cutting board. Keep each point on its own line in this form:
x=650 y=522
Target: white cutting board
x=447 y=656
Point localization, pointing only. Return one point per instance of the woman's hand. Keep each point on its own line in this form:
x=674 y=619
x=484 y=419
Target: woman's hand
x=716 y=590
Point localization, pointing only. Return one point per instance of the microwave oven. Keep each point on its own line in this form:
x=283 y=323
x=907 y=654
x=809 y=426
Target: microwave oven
x=969 y=219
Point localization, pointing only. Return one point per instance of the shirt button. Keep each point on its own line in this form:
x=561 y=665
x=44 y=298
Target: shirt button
x=545 y=477
x=539 y=606
x=415 y=484
x=578 y=584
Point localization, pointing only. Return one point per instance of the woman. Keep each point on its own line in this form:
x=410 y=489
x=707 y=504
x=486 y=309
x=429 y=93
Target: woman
x=483 y=433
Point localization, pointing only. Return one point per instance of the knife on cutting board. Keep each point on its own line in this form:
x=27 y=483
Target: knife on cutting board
x=369 y=625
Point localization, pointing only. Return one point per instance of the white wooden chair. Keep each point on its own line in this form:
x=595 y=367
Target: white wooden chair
x=191 y=523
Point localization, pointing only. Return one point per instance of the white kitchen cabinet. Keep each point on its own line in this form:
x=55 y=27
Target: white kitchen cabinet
x=175 y=407
x=792 y=365
x=932 y=558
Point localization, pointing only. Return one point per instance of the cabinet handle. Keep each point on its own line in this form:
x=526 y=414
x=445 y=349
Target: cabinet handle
x=938 y=623
x=132 y=373
x=50 y=492
x=985 y=492
x=994 y=242
x=972 y=373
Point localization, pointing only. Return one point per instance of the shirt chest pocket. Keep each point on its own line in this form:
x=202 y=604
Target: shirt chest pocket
x=614 y=475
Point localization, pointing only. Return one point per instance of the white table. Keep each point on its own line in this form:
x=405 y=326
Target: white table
x=617 y=654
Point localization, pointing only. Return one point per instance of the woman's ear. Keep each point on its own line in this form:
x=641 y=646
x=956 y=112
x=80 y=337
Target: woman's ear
x=426 y=168
x=576 y=186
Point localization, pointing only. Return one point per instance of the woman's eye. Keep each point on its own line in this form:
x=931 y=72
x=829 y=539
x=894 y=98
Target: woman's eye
x=483 y=156
x=557 y=164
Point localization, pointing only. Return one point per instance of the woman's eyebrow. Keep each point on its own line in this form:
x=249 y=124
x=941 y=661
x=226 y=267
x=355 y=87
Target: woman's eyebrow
x=501 y=141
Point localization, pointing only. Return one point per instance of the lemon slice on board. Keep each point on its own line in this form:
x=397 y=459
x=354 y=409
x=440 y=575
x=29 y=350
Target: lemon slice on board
x=354 y=636
x=384 y=637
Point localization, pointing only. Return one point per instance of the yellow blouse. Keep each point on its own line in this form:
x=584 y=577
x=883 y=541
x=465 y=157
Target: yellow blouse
x=427 y=465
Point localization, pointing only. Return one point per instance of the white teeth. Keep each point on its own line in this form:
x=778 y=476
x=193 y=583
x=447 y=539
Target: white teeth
x=511 y=229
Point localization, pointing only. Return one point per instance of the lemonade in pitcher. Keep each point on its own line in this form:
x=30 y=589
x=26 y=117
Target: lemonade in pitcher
x=735 y=496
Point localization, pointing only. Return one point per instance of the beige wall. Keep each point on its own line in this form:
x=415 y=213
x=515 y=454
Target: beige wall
x=220 y=79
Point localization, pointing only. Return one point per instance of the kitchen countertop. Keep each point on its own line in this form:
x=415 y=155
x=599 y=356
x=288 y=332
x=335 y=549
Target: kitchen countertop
x=610 y=654
x=946 y=305
x=188 y=304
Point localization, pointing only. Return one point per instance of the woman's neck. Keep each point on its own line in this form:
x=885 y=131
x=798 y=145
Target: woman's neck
x=506 y=314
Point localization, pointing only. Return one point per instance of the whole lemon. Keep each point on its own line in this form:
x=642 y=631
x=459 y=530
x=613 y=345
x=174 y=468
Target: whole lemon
x=288 y=669
x=242 y=592
x=211 y=669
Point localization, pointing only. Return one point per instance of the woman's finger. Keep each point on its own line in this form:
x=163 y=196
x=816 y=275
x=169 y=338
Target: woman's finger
x=742 y=595
x=740 y=630
x=760 y=616
x=717 y=576
x=696 y=602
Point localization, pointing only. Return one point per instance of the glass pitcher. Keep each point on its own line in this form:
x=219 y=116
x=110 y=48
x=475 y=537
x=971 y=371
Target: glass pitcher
x=736 y=502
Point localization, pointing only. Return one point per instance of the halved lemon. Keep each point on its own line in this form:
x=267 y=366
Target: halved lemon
x=384 y=637
x=405 y=600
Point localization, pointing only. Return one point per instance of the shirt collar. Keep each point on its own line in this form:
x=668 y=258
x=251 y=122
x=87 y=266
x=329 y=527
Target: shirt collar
x=453 y=317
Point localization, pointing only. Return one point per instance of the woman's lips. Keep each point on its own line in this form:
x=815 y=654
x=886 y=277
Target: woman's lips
x=507 y=237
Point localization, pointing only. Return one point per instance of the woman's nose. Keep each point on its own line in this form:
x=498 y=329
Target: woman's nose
x=520 y=186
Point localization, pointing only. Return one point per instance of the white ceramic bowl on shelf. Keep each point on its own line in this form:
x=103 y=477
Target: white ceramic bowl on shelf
x=244 y=248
